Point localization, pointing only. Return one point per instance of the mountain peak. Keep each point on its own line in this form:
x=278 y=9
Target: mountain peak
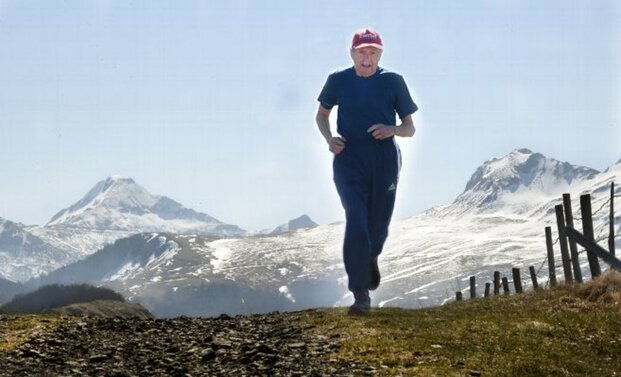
x=114 y=192
x=112 y=182
x=520 y=171
x=119 y=179
x=119 y=203
x=301 y=222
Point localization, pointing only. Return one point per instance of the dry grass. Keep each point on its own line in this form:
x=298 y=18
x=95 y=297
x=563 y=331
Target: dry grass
x=15 y=329
x=606 y=288
x=568 y=331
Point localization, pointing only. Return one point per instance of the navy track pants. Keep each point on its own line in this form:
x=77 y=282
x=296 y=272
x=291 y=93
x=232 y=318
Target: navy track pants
x=366 y=174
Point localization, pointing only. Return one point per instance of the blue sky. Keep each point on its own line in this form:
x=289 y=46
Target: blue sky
x=213 y=103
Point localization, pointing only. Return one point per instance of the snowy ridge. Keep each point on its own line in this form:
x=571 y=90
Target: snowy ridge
x=23 y=254
x=114 y=208
x=123 y=260
x=159 y=260
x=430 y=256
x=425 y=260
x=119 y=204
x=517 y=180
x=118 y=192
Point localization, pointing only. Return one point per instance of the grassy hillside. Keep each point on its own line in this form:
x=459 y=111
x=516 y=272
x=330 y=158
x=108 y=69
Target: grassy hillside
x=568 y=331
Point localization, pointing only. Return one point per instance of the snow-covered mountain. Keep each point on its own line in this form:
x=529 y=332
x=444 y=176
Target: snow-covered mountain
x=301 y=222
x=518 y=179
x=119 y=204
x=430 y=256
x=497 y=223
x=114 y=208
x=202 y=275
x=23 y=254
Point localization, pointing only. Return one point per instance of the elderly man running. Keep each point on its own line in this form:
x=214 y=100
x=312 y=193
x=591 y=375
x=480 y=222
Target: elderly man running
x=367 y=159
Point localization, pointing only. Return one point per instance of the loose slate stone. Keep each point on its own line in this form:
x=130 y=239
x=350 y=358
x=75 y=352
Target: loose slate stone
x=98 y=358
x=258 y=345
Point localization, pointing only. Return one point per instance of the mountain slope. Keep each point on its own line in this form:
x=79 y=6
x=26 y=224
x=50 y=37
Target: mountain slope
x=8 y=290
x=425 y=260
x=23 y=254
x=430 y=256
x=120 y=260
x=188 y=274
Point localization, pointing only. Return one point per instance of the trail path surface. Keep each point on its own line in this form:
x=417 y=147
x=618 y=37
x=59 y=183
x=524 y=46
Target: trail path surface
x=273 y=344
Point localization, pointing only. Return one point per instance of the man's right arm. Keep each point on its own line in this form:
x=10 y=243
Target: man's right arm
x=323 y=122
x=336 y=144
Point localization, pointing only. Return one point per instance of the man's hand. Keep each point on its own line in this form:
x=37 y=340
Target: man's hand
x=382 y=131
x=337 y=144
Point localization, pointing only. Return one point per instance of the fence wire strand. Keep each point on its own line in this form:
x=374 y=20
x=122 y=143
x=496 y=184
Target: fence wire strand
x=596 y=212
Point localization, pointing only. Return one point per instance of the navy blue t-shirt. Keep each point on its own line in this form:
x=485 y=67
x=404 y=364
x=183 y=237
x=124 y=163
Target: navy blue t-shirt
x=365 y=101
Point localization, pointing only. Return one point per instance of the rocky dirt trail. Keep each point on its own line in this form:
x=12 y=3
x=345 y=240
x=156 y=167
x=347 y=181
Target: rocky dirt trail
x=273 y=344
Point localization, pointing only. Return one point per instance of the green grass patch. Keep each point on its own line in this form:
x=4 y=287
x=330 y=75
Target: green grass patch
x=569 y=331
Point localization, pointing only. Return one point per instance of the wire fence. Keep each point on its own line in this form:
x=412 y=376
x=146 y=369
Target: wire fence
x=600 y=208
x=601 y=236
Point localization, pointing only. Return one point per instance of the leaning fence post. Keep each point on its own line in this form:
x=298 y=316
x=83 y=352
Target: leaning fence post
x=595 y=248
x=562 y=238
x=517 y=280
x=587 y=229
x=496 y=283
x=611 y=233
x=533 y=277
x=573 y=248
x=487 y=285
x=473 y=289
x=505 y=285
x=552 y=271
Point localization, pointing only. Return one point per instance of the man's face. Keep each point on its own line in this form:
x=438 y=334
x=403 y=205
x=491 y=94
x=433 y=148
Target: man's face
x=366 y=60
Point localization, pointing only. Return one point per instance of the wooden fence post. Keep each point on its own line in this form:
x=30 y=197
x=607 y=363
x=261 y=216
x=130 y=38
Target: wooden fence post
x=573 y=248
x=458 y=296
x=533 y=277
x=611 y=233
x=487 y=285
x=562 y=239
x=517 y=280
x=473 y=289
x=505 y=285
x=552 y=271
x=587 y=229
x=594 y=248
x=496 y=283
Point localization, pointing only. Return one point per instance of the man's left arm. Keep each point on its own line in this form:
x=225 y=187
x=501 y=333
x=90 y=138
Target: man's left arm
x=383 y=131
